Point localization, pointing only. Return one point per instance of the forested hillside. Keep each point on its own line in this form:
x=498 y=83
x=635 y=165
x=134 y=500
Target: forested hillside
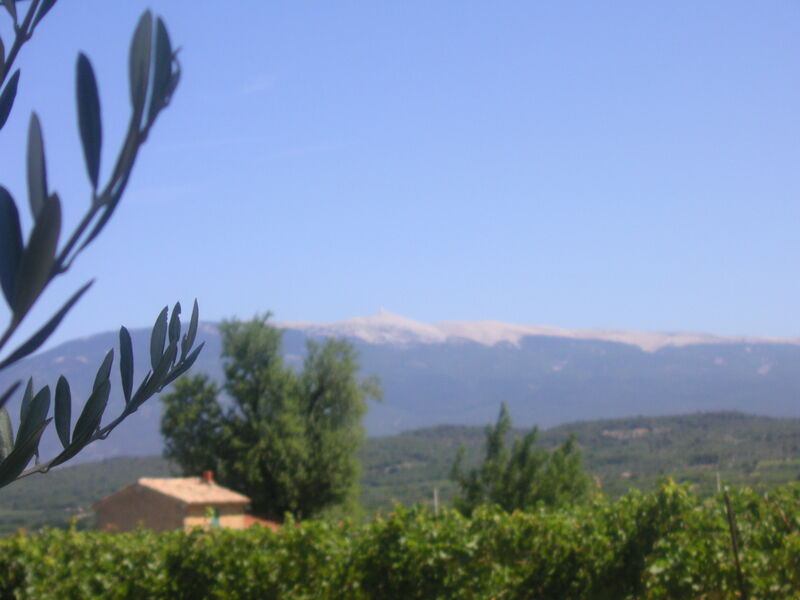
x=620 y=453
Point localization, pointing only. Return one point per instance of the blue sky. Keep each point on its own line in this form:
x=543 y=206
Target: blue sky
x=579 y=164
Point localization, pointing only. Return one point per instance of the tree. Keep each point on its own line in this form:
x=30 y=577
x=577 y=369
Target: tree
x=522 y=477
x=27 y=268
x=288 y=439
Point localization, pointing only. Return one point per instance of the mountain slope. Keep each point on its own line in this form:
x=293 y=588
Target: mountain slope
x=459 y=373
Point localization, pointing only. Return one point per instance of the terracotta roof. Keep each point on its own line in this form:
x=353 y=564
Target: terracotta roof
x=193 y=490
x=251 y=519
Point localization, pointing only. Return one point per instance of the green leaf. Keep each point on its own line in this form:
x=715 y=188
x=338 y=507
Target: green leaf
x=139 y=63
x=37 y=170
x=175 y=323
x=7 y=97
x=138 y=397
x=184 y=365
x=104 y=372
x=162 y=72
x=19 y=458
x=37 y=258
x=38 y=338
x=91 y=414
x=158 y=337
x=6 y=434
x=43 y=10
x=63 y=410
x=163 y=367
x=89 y=117
x=35 y=415
x=8 y=393
x=126 y=362
x=157 y=379
x=10 y=243
x=27 y=396
x=188 y=339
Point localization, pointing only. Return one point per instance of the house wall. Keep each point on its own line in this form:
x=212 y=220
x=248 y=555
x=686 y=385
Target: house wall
x=135 y=506
x=231 y=516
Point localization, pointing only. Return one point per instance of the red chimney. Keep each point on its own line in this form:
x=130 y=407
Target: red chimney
x=208 y=477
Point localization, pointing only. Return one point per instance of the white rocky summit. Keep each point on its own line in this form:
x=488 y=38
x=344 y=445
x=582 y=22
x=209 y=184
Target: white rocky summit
x=389 y=328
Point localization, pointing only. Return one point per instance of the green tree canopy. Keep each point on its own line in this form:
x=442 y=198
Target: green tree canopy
x=523 y=476
x=288 y=439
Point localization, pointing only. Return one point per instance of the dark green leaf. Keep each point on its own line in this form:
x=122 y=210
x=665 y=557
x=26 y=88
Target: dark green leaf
x=163 y=367
x=37 y=258
x=63 y=410
x=184 y=365
x=89 y=117
x=91 y=414
x=175 y=323
x=27 y=396
x=19 y=458
x=8 y=393
x=139 y=62
x=10 y=243
x=35 y=415
x=11 y=8
x=6 y=434
x=158 y=377
x=158 y=337
x=7 y=97
x=43 y=10
x=38 y=338
x=126 y=362
x=104 y=372
x=162 y=72
x=188 y=339
x=37 y=170
x=66 y=454
x=138 y=397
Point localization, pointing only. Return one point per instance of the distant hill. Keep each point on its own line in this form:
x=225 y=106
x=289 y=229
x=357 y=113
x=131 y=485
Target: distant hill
x=620 y=453
x=460 y=372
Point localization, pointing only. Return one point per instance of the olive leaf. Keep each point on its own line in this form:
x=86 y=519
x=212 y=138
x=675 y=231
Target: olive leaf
x=89 y=117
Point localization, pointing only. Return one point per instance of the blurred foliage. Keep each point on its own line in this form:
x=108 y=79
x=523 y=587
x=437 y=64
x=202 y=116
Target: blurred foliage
x=668 y=543
x=522 y=476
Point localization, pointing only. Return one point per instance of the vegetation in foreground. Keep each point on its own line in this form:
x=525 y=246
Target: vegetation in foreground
x=665 y=544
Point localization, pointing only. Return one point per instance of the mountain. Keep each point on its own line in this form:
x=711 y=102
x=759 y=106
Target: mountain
x=459 y=372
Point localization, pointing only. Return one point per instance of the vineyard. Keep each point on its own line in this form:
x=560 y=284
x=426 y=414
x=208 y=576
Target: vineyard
x=665 y=544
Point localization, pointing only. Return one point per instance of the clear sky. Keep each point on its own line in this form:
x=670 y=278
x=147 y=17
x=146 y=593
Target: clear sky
x=580 y=164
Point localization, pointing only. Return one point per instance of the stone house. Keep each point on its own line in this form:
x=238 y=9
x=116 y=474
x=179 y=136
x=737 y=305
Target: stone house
x=173 y=503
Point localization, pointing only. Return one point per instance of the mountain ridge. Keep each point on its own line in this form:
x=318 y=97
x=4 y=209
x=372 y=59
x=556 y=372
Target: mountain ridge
x=387 y=327
x=432 y=376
